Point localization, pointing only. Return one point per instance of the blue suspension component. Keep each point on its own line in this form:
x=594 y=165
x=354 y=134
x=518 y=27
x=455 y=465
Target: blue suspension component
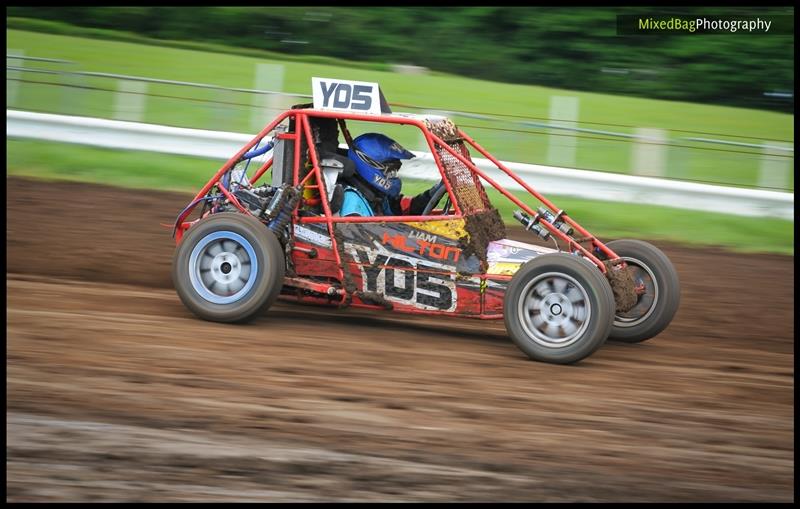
x=259 y=151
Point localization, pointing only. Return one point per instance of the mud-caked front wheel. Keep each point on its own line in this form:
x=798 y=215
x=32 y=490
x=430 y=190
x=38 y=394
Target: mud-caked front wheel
x=558 y=308
x=228 y=268
x=659 y=291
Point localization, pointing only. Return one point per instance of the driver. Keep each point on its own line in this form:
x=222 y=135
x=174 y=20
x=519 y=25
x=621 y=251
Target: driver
x=377 y=160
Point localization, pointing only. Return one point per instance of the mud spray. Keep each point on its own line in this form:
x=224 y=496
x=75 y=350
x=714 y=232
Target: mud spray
x=622 y=284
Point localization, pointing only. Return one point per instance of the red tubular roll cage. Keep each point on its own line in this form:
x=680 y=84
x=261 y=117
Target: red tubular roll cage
x=302 y=128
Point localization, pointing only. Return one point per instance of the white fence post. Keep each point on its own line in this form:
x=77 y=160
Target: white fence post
x=12 y=76
x=775 y=166
x=267 y=106
x=74 y=92
x=129 y=100
x=649 y=151
x=224 y=114
x=562 y=143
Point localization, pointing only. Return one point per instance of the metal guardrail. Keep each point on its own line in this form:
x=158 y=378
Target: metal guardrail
x=742 y=144
x=40 y=59
x=134 y=78
x=187 y=84
x=547 y=179
x=25 y=69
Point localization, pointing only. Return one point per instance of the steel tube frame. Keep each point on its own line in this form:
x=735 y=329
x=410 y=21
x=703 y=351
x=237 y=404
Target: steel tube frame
x=302 y=125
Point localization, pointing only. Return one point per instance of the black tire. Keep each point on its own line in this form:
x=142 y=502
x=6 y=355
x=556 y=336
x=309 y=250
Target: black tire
x=229 y=267
x=655 y=309
x=558 y=308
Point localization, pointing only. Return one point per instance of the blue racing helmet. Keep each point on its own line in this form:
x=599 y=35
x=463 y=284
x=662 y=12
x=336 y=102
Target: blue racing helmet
x=378 y=158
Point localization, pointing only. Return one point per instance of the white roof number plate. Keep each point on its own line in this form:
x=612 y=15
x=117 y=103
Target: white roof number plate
x=347 y=96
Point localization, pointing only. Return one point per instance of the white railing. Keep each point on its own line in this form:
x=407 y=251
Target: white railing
x=546 y=179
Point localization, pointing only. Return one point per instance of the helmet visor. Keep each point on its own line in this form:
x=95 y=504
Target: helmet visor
x=392 y=165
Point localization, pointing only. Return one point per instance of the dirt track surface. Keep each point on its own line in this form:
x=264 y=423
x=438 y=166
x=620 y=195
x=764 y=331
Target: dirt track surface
x=115 y=392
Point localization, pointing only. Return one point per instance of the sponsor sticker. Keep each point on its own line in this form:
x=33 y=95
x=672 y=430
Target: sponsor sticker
x=303 y=233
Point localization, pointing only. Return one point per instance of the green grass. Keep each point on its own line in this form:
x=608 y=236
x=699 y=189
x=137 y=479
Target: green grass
x=210 y=64
x=138 y=170
x=145 y=170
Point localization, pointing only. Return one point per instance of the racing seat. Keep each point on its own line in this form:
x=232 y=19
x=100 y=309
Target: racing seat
x=333 y=161
x=337 y=168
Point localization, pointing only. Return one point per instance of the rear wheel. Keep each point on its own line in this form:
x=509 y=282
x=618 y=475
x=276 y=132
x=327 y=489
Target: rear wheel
x=228 y=268
x=558 y=308
x=655 y=308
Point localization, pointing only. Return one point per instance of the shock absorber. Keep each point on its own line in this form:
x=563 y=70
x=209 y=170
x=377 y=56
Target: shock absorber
x=560 y=225
x=284 y=212
x=530 y=224
x=274 y=205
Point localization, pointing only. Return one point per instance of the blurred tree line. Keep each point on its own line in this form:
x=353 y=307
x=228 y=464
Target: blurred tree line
x=572 y=48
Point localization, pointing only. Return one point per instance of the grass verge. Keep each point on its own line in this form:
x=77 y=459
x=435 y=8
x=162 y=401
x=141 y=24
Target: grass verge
x=146 y=170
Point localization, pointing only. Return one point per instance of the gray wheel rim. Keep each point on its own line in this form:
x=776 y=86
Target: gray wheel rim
x=223 y=267
x=554 y=310
x=646 y=303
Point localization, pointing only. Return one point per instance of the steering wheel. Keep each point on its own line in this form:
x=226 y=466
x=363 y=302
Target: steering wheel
x=439 y=191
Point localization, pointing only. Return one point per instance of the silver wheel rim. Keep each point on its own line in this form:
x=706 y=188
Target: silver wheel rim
x=554 y=310
x=223 y=267
x=645 y=303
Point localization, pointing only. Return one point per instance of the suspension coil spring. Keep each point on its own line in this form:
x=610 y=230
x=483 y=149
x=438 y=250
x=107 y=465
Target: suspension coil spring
x=291 y=197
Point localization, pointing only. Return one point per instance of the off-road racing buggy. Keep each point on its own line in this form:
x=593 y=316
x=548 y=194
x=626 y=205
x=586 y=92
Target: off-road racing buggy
x=250 y=244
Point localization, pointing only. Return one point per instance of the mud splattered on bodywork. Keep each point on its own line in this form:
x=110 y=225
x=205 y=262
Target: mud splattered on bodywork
x=444 y=128
x=375 y=298
x=482 y=228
